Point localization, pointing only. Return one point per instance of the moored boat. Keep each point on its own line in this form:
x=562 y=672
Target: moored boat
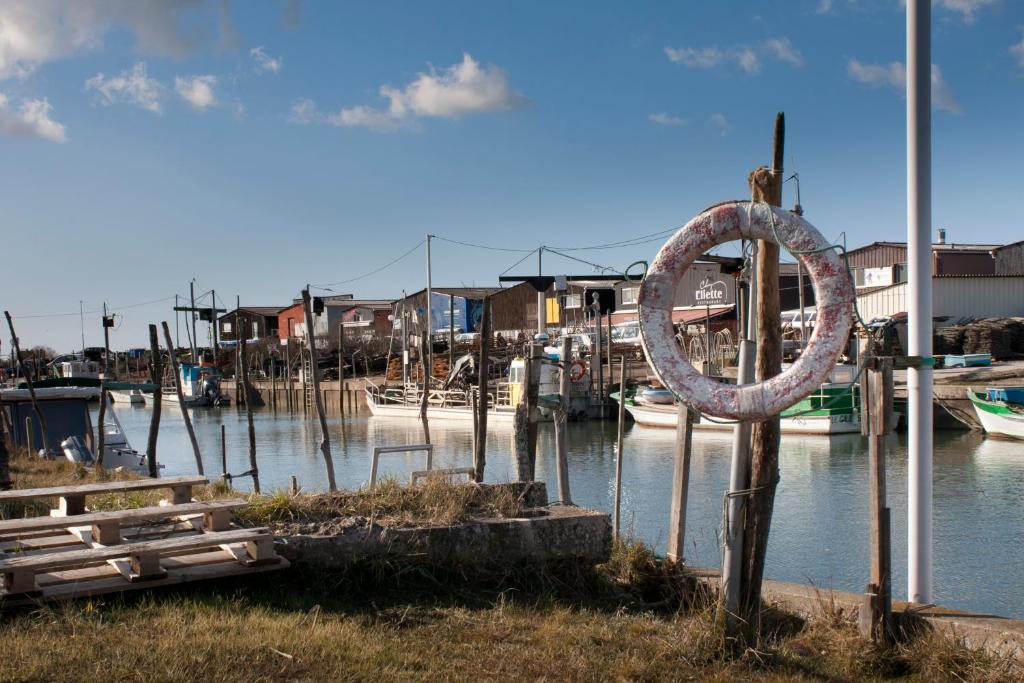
x=200 y=387
x=1000 y=410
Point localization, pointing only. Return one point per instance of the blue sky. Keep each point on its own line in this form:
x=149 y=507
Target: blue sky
x=259 y=146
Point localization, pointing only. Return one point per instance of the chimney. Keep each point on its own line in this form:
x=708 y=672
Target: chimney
x=942 y=235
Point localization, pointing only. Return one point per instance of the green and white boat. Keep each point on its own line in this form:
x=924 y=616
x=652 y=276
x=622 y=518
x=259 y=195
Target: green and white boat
x=1000 y=410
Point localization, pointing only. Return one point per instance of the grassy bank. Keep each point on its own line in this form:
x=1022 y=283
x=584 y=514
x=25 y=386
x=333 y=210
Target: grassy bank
x=635 y=618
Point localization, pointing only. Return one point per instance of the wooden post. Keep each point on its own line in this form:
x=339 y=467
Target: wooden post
x=181 y=399
x=766 y=185
x=561 y=417
x=476 y=426
x=156 y=376
x=341 y=369
x=325 y=438
x=617 y=510
x=28 y=381
x=451 y=332
x=480 y=444
x=876 y=420
x=289 y=399
x=533 y=405
x=425 y=364
x=273 y=382
x=680 y=484
x=101 y=432
x=224 y=455
x=608 y=354
x=244 y=364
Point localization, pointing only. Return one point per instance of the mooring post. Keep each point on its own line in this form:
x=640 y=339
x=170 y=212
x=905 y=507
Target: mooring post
x=156 y=376
x=28 y=381
x=341 y=369
x=293 y=488
x=425 y=363
x=254 y=469
x=521 y=427
x=30 y=436
x=617 y=510
x=273 y=382
x=766 y=185
x=680 y=483
x=289 y=405
x=480 y=441
x=101 y=432
x=186 y=418
x=325 y=438
x=224 y=455
x=876 y=421
x=561 y=418
x=608 y=354
x=533 y=405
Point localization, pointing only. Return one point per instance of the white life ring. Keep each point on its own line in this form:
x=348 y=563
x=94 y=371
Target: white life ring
x=833 y=291
x=573 y=375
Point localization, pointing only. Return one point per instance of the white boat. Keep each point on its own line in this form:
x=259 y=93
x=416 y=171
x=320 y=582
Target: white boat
x=134 y=396
x=1000 y=410
x=200 y=387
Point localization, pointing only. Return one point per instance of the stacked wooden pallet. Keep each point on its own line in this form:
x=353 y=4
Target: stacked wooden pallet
x=74 y=552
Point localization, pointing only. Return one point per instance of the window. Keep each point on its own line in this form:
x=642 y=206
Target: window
x=629 y=295
x=255 y=330
x=226 y=327
x=858 y=277
x=900 y=273
x=573 y=301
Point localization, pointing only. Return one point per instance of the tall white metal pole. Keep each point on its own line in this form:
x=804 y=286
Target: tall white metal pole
x=919 y=324
x=429 y=328
x=542 y=314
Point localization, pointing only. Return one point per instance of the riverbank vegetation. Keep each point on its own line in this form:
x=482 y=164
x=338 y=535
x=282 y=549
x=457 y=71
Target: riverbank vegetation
x=634 y=618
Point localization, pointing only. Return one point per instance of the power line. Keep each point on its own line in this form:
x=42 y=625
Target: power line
x=111 y=309
x=483 y=246
x=573 y=258
x=372 y=272
x=531 y=253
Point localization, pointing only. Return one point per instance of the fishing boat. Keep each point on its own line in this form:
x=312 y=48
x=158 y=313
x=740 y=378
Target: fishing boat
x=69 y=428
x=1000 y=410
x=134 y=396
x=833 y=409
x=502 y=396
x=200 y=387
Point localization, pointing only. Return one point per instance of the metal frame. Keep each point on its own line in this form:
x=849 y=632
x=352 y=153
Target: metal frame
x=429 y=448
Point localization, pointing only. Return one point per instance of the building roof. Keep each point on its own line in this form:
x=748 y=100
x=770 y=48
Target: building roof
x=256 y=310
x=362 y=303
x=464 y=292
x=936 y=246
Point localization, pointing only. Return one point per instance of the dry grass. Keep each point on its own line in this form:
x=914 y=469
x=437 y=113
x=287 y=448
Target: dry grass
x=635 y=618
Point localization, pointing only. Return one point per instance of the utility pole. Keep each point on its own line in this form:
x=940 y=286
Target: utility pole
x=177 y=340
x=107 y=324
x=81 y=319
x=542 y=318
x=919 y=285
x=213 y=323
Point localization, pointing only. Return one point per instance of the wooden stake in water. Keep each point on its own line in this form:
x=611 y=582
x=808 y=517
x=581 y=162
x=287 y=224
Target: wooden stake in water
x=156 y=376
x=680 y=484
x=561 y=418
x=617 y=510
x=101 y=431
x=224 y=456
x=31 y=390
x=480 y=443
x=244 y=363
x=186 y=418
x=325 y=438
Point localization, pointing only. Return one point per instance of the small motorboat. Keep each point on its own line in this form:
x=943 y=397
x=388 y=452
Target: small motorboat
x=1000 y=410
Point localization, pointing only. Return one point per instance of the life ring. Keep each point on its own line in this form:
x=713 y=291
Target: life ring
x=573 y=376
x=833 y=290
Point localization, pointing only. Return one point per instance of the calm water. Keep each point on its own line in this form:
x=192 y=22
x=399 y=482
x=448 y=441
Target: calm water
x=819 y=531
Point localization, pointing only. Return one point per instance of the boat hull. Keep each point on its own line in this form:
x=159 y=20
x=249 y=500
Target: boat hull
x=997 y=419
x=134 y=396
x=667 y=417
x=436 y=412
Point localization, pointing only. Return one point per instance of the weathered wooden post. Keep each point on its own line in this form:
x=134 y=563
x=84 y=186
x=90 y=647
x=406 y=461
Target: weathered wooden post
x=244 y=364
x=766 y=185
x=273 y=382
x=427 y=373
x=156 y=376
x=224 y=456
x=289 y=399
x=480 y=442
x=341 y=369
x=451 y=332
x=561 y=418
x=680 y=484
x=533 y=405
x=31 y=390
x=325 y=438
x=617 y=510
x=186 y=418
x=101 y=431
x=876 y=398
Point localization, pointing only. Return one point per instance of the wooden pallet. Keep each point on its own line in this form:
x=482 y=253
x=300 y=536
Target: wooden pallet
x=65 y=556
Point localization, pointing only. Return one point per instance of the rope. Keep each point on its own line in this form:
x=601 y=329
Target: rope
x=230 y=477
x=752 y=491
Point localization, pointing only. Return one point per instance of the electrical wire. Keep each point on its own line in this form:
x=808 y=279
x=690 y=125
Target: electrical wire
x=573 y=258
x=110 y=310
x=482 y=246
x=534 y=251
x=372 y=272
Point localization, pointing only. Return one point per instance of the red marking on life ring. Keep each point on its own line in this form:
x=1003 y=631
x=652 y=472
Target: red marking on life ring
x=833 y=289
x=577 y=364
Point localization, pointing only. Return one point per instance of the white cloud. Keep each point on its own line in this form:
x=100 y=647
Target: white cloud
x=34 y=32
x=824 y=7
x=197 y=90
x=461 y=89
x=665 y=119
x=784 y=51
x=719 y=123
x=695 y=58
x=30 y=120
x=1018 y=50
x=966 y=8
x=264 y=62
x=894 y=75
x=134 y=87
x=304 y=111
x=746 y=57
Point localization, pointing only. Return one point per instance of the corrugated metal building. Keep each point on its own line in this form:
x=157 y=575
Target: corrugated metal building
x=978 y=296
x=1010 y=259
x=881 y=264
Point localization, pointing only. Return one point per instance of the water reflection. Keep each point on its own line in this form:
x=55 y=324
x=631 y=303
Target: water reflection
x=819 y=533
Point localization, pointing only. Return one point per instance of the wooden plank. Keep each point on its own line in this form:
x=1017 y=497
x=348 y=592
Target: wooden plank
x=104 y=487
x=680 y=484
x=56 y=560
x=20 y=526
